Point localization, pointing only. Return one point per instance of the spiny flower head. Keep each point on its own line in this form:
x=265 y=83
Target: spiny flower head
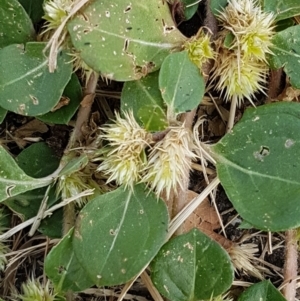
x=75 y=183
x=123 y=157
x=56 y=11
x=35 y=291
x=199 y=49
x=170 y=161
x=239 y=76
x=252 y=28
x=242 y=257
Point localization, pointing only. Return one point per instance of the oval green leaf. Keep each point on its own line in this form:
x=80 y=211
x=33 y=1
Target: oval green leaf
x=13 y=180
x=118 y=233
x=192 y=267
x=63 y=268
x=15 y=24
x=32 y=160
x=29 y=88
x=180 y=82
x=63 y=115
x=286 y=53
x=72 y=164
x=258 y=166
x=143 y=97
x=262 y=291
x=190 y=8
x=282 y=9
x=217 y=5
x=125 y=40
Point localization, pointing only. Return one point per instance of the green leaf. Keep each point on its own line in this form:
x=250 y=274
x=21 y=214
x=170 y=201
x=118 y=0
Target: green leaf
x=3 y=113
x=262 y=291
x=258 y=167
x=13 y=180
x=53 y=225
x=74 y=94
x=15 y=24
x=287 y=53
x=190 y=8
x=63 y=268
x=217 y=5
x=26 y=205
x=73 y=164
x=143 y=97
x=192 y=267
x=282 y=9
x=32 y=160
x=30 y=89
x=34 y=9
x=118 y=233
x=125 y=40
x=181 y=84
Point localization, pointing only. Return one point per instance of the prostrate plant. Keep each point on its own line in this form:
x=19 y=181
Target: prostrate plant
x=119 y=233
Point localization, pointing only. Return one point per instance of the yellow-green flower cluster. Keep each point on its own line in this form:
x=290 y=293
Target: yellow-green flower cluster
x=241 y=67
x=56 y=11
x=199 y=49
x=35 y=291
x=75 y=183
x=170 y=161
x=125 y=159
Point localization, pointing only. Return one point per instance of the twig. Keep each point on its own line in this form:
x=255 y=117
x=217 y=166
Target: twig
x=151 y=288
x=48 y=212
x=85 y=108
x=41 y=212
x=179 y=219
x=291 y=265
x=233 y=105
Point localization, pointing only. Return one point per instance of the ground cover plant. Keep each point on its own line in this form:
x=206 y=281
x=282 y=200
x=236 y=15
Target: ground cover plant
x=122 y=125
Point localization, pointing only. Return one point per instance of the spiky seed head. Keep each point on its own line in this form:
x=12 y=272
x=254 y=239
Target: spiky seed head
x=199 y=49
x=123 y=158
x=252 y=28
x=73 y=184
x=35 y=291
x=170 y=161
x=55 y=12
x=242 y=257
x=238 y=75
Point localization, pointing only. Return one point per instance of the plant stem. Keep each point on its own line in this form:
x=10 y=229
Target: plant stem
x=85 y=108
x=233 y=105
x=291 y=265
x=276 y=77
